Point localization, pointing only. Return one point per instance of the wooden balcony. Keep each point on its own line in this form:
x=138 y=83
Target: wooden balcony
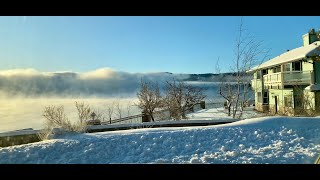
x=289 y=78
x=256 y=84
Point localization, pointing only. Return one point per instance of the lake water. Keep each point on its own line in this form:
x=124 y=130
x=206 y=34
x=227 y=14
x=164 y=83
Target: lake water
x=20 y=112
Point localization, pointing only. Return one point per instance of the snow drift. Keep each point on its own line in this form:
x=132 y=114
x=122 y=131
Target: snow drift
x=276 y=140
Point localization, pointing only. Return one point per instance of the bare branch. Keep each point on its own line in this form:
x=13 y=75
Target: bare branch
x=118 y=109
x=181 y=98
x=247 y=51
x=84 y=111
x=110 y=110
x=149 y=98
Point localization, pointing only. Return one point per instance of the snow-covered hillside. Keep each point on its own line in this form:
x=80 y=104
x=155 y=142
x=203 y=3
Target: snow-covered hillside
x=259 y=140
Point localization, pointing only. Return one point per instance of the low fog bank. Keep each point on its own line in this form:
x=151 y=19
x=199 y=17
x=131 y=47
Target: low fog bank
x=103 y=82
x=25 y=93
x=100 y=83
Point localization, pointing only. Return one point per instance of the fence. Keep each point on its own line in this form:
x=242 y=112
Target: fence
x=163 y=115
x=130 y=119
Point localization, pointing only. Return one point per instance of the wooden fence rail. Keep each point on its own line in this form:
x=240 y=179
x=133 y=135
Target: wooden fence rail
x=159 y=115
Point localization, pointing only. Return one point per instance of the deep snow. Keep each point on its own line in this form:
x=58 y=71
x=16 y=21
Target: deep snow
x=258 y=140
x=221 y=114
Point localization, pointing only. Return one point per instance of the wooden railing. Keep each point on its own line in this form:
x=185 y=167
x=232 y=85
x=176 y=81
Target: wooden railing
x=272 y=78
x=289 y=78
x=129 y=119
x=303 y=77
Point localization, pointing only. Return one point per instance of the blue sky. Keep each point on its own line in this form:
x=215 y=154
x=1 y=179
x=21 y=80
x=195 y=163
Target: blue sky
x=177 y=44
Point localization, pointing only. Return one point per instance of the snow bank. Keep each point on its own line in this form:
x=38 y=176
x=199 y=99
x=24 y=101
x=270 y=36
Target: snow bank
x=261 y=140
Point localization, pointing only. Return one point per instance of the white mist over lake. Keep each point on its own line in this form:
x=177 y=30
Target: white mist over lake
x=20 y=113
x=24 y=93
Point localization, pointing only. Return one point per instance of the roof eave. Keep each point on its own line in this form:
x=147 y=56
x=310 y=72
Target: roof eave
x=272 y=65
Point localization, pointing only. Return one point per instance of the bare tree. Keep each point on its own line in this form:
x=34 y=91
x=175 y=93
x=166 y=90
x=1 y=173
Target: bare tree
x=173 y=99
x=56 y=116
x=110 y=109
x=304 y=102
x=226 y=91
x=128 y=108
x=149 y=98
x=248 y=53
x=118 y=109
x=84 y=111
x=181 y=98
x=99 y=115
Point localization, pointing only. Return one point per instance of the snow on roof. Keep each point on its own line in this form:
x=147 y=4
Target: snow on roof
x=19 y=132
x=313 y=87
x=289 y=56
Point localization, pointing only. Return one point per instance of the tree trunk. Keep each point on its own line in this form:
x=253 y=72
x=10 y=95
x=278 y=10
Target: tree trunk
x=183 y=115
x=229 y=109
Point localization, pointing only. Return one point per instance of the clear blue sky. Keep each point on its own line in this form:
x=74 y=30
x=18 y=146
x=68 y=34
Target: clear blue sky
x=139 y=44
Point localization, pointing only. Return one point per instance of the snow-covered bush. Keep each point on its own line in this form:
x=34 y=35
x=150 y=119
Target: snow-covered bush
x=57 y=119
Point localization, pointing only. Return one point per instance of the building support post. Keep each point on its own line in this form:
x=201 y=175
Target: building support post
x=282 y=76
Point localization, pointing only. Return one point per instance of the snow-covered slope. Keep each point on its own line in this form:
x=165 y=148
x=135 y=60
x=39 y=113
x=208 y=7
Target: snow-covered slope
x=259 y=140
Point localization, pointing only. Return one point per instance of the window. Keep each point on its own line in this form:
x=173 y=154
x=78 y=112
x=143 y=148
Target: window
x=265 y=98
x=265 y=71
x=297 y=66
x=287 y=67
x=258 y=74
x=276 y=69
x=259 y=97
x=288 y=101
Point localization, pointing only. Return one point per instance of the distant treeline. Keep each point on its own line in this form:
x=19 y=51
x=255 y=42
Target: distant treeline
x=211 y=77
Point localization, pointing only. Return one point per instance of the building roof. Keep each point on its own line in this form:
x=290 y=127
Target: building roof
x=289 y=56
x=313 y=87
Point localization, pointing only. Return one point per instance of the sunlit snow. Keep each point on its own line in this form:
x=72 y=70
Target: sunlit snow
x=258 y=140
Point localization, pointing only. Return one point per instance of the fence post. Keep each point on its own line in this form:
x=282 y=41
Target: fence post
x=202 y=104
x=110 y=120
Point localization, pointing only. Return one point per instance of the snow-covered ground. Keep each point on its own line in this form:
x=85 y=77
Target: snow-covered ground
x=257 y=140
x=221 y=113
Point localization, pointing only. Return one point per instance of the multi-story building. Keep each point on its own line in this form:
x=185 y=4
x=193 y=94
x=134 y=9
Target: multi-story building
x=290 y=83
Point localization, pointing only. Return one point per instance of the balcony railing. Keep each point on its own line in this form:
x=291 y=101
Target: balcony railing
x=289 y=78
x=272 y=78
x=256 y=84
x=302 y=77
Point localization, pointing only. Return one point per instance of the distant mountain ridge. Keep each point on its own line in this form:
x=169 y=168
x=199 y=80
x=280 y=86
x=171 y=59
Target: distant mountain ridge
x=179 y=76
x=204 y=77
